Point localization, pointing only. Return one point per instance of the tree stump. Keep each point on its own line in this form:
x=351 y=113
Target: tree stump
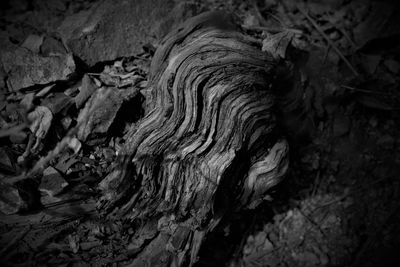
x=207 y=146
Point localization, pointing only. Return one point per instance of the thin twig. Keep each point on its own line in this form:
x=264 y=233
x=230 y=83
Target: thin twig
x=273 y=29
x=330 y=42
x=258 y=13
x=343 y=31
x=142 y=58
x=363 y=90
x=352 y=43
x=277 y=19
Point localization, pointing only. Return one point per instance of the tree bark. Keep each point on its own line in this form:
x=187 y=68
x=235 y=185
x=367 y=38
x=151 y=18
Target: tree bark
x=207 y=145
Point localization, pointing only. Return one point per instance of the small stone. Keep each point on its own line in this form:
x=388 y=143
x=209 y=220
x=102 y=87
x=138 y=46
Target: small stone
x=334 y=35
x=52 y=182
x=75 y=144
x=10 y=201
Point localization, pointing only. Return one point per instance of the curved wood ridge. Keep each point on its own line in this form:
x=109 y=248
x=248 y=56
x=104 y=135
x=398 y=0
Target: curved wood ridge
x=207 y=145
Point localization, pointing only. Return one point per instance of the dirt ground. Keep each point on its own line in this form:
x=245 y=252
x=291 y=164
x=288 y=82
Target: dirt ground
x=339 y=205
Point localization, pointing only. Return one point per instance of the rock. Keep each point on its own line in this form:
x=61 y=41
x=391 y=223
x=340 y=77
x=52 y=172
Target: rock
x=10 y=200
x=87 y=88
x=341 y=125
x=52 y=182
x=25 y=68
x=58 y=103
x=100 y=111
x=112 y=29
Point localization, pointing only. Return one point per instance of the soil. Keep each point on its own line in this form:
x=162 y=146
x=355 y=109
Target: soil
x=339 y=204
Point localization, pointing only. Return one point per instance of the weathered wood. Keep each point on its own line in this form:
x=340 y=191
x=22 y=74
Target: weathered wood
x=206 y=146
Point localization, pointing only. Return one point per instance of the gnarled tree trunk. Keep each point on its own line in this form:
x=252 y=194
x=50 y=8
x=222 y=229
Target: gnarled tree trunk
x=207 y=145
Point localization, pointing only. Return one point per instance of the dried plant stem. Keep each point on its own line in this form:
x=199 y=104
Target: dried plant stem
x=329 y=41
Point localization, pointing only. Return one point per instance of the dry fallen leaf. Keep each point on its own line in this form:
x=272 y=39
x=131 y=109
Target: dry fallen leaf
x=41 y=119
x=276 y=44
